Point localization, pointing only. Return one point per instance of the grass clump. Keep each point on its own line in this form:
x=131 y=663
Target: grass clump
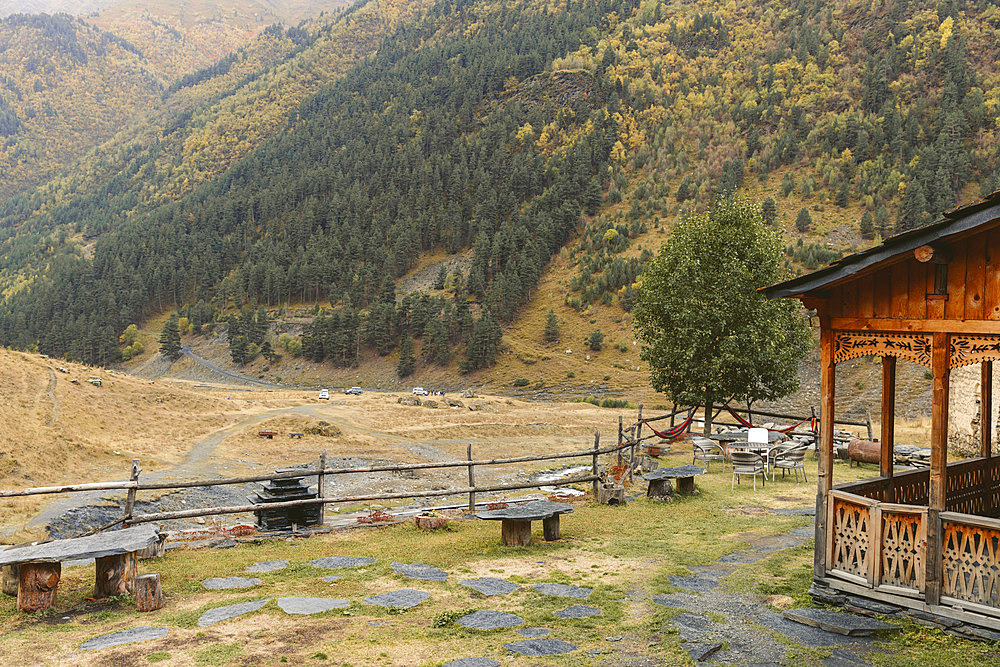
x=218 y=654
x=158 y=656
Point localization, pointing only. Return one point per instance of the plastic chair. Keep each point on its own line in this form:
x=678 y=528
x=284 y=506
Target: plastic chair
x=757 y=436
x=748 y=463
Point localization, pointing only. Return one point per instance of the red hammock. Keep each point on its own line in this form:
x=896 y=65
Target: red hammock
x=674 y=432
x=788 y=429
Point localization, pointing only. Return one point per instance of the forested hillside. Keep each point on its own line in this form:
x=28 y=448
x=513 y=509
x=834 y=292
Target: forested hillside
x=505 y=132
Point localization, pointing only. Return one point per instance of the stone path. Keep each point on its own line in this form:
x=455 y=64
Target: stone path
x=213 y=616
x=489 y=619
x=401 y=599
x=490 y=586
x=267 y=566
x=333 y=562
x=563 y=590
x=749 y=632
x=222 y=583
x=297 y=605
x=132 y=635
x=420 y=571
x=540 y=647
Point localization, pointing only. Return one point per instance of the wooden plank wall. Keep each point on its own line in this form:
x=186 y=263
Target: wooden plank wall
x=905 y=290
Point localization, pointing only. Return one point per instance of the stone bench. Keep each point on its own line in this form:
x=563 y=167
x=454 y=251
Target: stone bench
x=660 y=478
x=39 y=566
x=515 y=526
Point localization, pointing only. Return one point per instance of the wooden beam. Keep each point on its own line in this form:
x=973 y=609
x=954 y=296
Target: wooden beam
x=940 y=254
x=986 y=409
x=985 y=327
x=938 y=485
x=888 y=434
x=824 y=475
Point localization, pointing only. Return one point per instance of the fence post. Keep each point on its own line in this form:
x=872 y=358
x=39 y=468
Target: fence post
x=868 y=423
x=593 y=467
x=321 y=486
x=130 y=496
x=472 y=479
x=621 y=437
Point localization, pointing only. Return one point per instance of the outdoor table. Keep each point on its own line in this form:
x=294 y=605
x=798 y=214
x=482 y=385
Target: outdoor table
x=515 y=526
x=40 y=566
x=659 y=478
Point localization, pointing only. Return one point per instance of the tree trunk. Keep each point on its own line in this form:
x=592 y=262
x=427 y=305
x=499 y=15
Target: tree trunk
x=37 y=584
x=10 y=574
x=515 y=533
x=550 y=528
x=115 y=575
x=148 y=594
x=708 y=413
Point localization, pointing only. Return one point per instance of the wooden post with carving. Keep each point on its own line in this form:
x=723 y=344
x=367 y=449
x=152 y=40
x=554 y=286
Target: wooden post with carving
x=888 y=430
x=938 y=483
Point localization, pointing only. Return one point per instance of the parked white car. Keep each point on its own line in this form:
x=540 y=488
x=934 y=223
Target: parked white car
x=353 y=390
x=324 y=394
x=420 y=391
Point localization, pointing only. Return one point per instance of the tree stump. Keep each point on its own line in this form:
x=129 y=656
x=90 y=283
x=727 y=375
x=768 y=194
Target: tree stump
x=685 y=485
x=611 y=494
x=660 y=489
x=36 y=586
x=155 y=550
x=550 y=528
x=115 y=575
x=515 y=533
x=148 y=595
x=10 y=579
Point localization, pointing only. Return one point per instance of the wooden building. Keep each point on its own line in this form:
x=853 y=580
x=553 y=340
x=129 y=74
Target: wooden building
x=926 y=539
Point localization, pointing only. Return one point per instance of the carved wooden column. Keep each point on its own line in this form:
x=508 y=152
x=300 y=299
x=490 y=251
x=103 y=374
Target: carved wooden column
x=888 y=434
x=824 y=475
x=938 y=487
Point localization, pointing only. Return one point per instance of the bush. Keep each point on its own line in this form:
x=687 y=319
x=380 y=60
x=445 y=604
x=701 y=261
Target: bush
x=595 y=340
x=803 y=221
x=521 y=382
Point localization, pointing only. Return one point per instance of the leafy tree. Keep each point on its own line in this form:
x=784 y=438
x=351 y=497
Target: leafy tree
x=406 y=359
x=129 y=336
x=170 y=339
x=803 y=221
x=706 y=332
x=595 y=341
x=551 y=327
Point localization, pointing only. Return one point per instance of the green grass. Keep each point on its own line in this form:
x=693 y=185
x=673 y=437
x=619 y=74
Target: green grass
x=218 y=654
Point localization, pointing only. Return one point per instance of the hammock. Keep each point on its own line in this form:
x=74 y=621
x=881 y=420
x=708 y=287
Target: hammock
x=787 y=429
x=672 y=433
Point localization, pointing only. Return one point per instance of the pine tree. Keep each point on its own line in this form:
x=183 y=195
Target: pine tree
x=803 y=221
x=770 y=210
x=867 y=225
x=551 y=327
x=170 y=339
x=406 y=359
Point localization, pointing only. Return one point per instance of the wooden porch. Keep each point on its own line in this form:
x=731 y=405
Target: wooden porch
x=925 y=539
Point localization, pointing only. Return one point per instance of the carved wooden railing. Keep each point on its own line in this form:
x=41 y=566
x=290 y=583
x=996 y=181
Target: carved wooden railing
x=970 y=567
x=902 y=548
x=849 y=544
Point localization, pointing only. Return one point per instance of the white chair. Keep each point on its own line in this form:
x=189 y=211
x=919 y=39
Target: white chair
x=757 y=436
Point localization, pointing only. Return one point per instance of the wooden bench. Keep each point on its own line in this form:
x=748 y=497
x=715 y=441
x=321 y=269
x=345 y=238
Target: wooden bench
x=267 y=434
x=515 y=526
x=115 y=555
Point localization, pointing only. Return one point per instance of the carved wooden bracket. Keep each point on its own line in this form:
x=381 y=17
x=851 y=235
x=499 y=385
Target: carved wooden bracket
x=967 y=350
x=854 y=344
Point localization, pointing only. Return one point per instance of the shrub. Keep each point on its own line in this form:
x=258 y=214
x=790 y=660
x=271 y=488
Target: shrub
x=521 y=382
x=595 y=340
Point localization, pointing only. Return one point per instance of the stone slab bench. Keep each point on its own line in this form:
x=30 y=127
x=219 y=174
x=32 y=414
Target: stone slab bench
x=658 y=480
x=115 y=554
x=515 y=526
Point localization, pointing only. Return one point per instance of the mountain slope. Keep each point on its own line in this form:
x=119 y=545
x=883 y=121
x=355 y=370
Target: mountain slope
x=505 y=135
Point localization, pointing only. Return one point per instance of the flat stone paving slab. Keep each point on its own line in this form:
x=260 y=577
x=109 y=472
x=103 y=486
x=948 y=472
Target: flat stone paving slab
x=297 y=605
x=132 y=635
x=472 y=662
x=222 y=583
x=563 y=590
x=692 y=627
x=213 y=616
x=402 y=599
x=539 y=647
x=579 y=611
x=533 y=632
x=332 y=562
x=488 y=619
x=695 y=583
x=672 y=600
x=421 y=571
x=267 y=566
x=839 y=622
x=490 y=586
x=700 y=652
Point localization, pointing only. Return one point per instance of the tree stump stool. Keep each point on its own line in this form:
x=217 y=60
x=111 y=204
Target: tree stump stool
x=611 y=494
x=148 y=595
x=36 y=586
x=659 y=481
x=515 y=526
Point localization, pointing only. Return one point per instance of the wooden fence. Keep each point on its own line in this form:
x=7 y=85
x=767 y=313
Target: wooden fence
x=133 y=485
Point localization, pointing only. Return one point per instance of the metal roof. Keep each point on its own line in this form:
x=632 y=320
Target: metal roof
x=960 y=219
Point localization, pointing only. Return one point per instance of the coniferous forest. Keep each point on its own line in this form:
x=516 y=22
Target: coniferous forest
x=499 y=132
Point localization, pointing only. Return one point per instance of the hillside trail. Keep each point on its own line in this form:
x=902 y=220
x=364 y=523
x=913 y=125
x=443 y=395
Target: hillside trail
x=52 y=395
